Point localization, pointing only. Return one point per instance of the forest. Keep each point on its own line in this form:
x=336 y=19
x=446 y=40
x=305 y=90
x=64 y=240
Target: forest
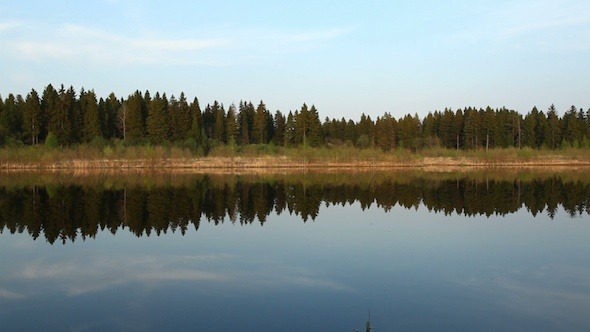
x=66 y=212
x=63 y=118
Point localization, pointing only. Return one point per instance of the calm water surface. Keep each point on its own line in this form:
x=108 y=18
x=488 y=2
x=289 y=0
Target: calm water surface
x=231 y=253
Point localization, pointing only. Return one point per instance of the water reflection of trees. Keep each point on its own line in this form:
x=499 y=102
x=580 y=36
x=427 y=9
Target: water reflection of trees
x=72 y=211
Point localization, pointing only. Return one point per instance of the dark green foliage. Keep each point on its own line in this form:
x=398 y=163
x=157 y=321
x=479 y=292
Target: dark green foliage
x=32 y=118
x=48 y=105
x=553 y=128
x=307 y=127
x=92 y=119
x=385 y=132
x=280 y=126
x=409 y=132
x=157 y=120
x=260 y=129
x=197 y=132
x=246 y=123
x=180 y=118
x=110 y=117
x=135 y=117
x=65 y=117
x=231 y=125
x=11 y=117
x=140 y=118
x=290 y=130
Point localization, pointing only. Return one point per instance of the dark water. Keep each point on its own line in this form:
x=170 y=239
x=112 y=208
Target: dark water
x=295 y=252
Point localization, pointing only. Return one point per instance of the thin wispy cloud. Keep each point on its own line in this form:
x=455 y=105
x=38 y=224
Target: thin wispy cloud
x=178 y=45
x=319 y=35
x=74 y=42
x=7 y=25
x=551 y=24
x=555 y=27
x=78 y=43
x=74 y=277
x=7 y=294
x=105 y=273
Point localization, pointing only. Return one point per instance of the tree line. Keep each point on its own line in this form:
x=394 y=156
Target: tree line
x=62 y=117
x=69 y=212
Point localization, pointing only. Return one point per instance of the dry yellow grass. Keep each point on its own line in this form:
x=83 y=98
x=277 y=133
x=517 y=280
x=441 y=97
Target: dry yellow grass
x=282 y=162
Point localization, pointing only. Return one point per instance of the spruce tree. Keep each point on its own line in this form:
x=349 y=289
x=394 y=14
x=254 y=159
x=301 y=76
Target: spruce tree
x=91 y=116
x=11 y=118
x=196 y=132
x=135 y=118
x=280 y=128
x=219 y=125
x=109 y=117
x=157 y=120
x=32 y=118
x=553 y=129
x=260 y=125
x=231 y=125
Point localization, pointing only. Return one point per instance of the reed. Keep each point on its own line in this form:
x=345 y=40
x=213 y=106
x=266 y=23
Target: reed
x=118 y=155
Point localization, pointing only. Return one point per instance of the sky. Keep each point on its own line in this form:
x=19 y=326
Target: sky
x=344 y=57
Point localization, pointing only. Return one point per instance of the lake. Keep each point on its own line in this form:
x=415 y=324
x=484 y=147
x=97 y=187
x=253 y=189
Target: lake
x=484 y=250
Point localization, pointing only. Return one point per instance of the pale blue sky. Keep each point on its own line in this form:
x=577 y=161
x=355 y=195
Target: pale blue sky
x=346 y=57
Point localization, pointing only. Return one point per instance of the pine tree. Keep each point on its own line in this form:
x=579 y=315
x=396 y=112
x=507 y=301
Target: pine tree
x=471 y=128
x=488 y=118
x=301 y=126
x=197 y=133
x=63 y=116
x=231 y=125
x=219 y=127
x=135 y=118
x=409 y=132
x=290 y=130
x=529 y=128
x=260 y=125
x=32 y=117
x=11 y=118
x=246 y=123
x=572 y=126
x=280 y=129
x=458 y=124
x=109 y=117
x=157 y=119
x=553 y=130
x=350 y=132
x=385 y=132
x=447 y=129
x=316 y=137
x=91 y=117
x=51 y=102
x=184 y=118
x=429 y=130
x=180 y=118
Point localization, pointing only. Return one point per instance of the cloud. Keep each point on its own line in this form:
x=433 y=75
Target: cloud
x=7 y=294
x=178 y=45
x=79 y=276
x=525 y=25
x=75 y=43
x=72 y=42
x=557 y=292
x=4 y=26
x=550 y=24
x=320 y=35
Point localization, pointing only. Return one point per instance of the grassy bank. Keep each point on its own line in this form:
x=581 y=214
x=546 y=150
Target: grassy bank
x=265 y=156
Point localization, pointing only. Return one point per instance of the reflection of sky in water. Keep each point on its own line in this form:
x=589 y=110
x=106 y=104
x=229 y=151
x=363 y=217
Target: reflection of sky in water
x=413 y=269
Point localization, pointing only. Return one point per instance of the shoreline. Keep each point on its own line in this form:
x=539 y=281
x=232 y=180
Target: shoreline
x=278 y=163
